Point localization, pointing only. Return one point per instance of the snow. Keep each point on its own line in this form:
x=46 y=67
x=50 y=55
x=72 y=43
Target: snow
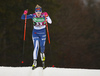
x=49 y=71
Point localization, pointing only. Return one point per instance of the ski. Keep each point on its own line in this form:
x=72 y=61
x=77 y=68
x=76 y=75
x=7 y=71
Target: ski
x=33 y=68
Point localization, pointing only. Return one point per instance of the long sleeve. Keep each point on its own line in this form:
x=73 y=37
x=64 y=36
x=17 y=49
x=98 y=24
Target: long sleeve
x=28 y=16
x=49 y=20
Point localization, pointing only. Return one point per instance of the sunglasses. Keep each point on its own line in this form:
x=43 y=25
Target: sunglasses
x=38 y=9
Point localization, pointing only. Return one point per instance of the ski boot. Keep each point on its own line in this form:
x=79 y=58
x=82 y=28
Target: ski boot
x=34 y=64
x=42 y=55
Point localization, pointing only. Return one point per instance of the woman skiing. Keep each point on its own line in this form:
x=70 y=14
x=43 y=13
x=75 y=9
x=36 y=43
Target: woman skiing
x=38 y=33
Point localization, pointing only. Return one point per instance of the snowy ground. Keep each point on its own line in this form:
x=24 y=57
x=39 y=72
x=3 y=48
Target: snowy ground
x=27 y=71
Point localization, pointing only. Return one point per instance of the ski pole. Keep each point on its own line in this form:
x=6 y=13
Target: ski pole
x=25 y=27
x=48 y=39
x=24 y=39
x=47 y=31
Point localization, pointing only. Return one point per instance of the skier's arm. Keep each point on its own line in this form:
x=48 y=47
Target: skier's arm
x=49 y=20
x=47 y=17
x=28 y=16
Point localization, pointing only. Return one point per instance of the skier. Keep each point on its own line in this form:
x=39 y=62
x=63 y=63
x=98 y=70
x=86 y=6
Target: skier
x=39 y=32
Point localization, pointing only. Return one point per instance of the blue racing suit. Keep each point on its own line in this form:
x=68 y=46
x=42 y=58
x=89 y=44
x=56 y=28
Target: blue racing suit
x=39 y=32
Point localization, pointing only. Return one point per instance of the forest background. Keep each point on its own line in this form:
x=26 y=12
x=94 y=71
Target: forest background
x=74 y=33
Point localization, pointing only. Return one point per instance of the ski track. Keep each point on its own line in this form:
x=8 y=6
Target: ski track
x=49 y=71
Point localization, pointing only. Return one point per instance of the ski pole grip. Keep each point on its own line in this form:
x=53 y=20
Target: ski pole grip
x=25 y=12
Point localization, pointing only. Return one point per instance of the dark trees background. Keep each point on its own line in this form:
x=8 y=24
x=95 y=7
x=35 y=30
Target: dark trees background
x=75 y=34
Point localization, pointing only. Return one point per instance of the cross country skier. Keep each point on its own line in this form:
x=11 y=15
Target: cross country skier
x=39 y=32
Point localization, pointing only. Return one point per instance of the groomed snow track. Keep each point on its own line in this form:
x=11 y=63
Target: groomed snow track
x=27 y=71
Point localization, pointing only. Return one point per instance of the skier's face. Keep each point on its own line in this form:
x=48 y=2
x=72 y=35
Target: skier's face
x=38 y=11
x=38 y=14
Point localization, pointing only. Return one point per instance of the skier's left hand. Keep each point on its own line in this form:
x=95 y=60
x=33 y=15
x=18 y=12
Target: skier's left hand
x=45 y=14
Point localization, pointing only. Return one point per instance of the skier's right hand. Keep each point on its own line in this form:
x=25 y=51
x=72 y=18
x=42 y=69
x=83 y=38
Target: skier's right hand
x=25 y=12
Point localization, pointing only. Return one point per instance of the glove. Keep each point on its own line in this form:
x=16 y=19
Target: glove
x=46 y=14
x=25 y=12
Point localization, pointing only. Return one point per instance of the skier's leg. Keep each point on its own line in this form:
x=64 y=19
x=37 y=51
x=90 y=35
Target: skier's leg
x=42 y=43
x=34 y=64
x=35 y=52
x=36 y=48
x=42 y=55
x=42 y=39
x=35 y=39
x=42 y=47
